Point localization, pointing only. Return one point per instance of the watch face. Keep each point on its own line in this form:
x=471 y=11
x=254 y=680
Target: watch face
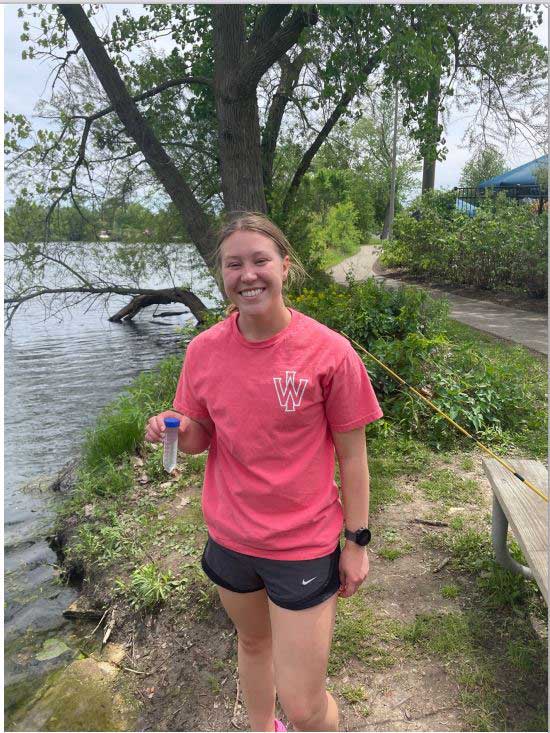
x=363 y=537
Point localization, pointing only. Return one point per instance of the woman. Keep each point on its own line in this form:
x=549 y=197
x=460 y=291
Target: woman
x=272 y=393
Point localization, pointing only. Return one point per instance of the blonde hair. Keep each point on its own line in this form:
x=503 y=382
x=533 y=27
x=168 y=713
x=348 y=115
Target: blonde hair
x=252 y=221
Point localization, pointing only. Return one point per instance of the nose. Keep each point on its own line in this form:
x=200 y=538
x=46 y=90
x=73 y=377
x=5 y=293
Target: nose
x=248 y=274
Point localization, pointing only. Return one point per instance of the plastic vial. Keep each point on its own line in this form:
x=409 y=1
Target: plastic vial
x=170 y=455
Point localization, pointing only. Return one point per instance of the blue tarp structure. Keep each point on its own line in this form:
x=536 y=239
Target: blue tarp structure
x=522 y=176
x=519 y=183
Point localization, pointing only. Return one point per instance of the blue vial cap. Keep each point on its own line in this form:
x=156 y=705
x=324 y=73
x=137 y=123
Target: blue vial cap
x=172 y=422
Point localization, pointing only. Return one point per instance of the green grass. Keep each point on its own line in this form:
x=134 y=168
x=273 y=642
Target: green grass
x=457 y=522
x=492 y=662
x=392 y=553
x=353 y=693
x=466 y=463
x=390 y=457
x=360 y=635
x=450 y=591
x=471 y=552
x=444 y=485
x=394 y=547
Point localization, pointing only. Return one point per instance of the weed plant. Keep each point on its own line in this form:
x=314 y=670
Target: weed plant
x=504 y=246
x=494 y=391
x=148 y=587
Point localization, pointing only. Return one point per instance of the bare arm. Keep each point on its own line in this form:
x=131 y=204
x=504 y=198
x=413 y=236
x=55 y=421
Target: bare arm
x=351 y=450
x=197 y=435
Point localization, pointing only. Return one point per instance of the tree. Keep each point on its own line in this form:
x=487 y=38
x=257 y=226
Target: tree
x=485 y=163
x=374 y=137
x=496 y=65
x=206 y=119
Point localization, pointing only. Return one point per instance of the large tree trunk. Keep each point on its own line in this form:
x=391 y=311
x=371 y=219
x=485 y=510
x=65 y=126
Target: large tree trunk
x=238 y=121
x=140 y=131
x=428 y=165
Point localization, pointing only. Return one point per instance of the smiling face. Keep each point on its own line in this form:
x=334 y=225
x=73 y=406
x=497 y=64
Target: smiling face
x=253 y=272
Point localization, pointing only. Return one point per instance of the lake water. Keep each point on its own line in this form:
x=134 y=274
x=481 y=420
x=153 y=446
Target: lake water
x=59 y=373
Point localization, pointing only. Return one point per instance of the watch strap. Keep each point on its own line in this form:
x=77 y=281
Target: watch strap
x=354 y=536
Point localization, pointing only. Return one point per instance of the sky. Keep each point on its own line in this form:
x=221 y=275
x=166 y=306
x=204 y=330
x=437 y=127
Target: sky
x=26 y=81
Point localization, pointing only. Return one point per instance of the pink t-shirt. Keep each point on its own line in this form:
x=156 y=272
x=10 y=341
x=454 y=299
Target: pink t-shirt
x=269 y=486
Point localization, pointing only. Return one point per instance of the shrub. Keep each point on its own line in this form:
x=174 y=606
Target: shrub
x=368 y=311
x=484 y=391
x=334 y=231
x=503 y=246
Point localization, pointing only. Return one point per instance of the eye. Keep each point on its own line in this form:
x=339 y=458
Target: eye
x=232 y=264
x=259 y=262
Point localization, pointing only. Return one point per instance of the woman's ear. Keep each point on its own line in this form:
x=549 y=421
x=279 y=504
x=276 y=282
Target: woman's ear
x=286 y=266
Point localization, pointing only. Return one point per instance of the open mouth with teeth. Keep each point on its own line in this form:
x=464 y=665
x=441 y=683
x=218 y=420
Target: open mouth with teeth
x=251 y=293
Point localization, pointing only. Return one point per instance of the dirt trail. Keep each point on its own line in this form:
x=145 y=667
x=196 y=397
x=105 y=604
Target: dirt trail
x=388 y=689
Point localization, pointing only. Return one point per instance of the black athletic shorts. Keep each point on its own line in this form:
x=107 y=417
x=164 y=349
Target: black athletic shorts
x=293 y=584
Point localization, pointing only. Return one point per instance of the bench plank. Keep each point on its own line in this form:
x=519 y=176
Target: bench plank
x=526 y=512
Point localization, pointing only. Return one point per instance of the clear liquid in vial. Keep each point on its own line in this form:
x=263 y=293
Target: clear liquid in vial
x=170 y=453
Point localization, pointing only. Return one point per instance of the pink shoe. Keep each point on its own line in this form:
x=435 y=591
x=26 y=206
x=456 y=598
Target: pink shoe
x=279 y=727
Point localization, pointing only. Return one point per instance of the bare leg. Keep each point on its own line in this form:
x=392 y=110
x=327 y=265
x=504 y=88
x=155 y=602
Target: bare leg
x=250 y=614
x=301 y=647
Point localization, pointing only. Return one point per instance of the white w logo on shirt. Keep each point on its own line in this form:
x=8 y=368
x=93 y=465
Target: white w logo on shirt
x=290 y=395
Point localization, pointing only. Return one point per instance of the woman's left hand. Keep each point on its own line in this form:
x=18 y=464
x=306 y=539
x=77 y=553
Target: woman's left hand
x=354 y=568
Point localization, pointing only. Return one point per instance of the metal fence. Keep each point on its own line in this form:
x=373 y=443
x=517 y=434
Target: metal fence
x=466 y=197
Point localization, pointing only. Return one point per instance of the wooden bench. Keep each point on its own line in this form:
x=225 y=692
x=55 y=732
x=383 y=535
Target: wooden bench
x=515 y=504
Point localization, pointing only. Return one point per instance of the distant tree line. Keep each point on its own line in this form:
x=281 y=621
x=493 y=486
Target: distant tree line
x=115 y=220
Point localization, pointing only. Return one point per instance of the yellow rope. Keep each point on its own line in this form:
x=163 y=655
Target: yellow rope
x=449 y=419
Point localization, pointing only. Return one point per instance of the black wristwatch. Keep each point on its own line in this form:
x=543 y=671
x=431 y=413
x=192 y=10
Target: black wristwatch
x=361 y=537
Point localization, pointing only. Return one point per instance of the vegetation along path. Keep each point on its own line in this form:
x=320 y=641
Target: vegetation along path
x=513 y=324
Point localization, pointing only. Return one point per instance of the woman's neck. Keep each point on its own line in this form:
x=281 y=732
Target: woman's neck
x=263 y=327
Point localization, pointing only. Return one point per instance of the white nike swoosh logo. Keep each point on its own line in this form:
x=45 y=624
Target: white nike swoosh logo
x=305 y=582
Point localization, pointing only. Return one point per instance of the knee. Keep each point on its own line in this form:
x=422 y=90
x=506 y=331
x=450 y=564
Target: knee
x=254 y=644
x=306 y=711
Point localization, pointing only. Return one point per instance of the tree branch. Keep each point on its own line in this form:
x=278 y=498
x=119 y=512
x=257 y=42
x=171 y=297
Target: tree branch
x=273 y=48
x=140 y=131
x=289 y=77
x=267 y=25
x=179 y=81
x=308 y=156
x=141 y=298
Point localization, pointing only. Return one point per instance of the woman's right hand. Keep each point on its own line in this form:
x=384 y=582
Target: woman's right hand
x=154 y=429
